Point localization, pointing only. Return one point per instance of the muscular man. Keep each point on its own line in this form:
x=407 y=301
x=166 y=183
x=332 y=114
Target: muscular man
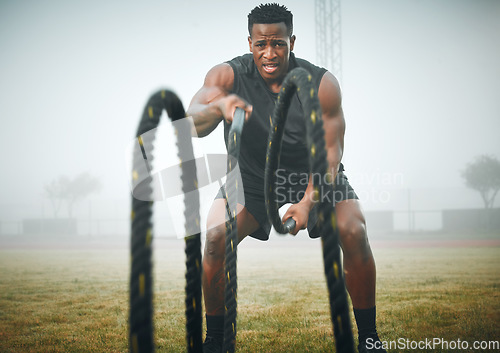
x=252 y=82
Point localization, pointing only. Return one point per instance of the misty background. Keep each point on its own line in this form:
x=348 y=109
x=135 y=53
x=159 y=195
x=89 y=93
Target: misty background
x=420 y=85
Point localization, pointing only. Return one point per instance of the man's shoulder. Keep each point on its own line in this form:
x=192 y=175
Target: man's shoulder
x=317 y=72
x=309 y=66
x=242 y=64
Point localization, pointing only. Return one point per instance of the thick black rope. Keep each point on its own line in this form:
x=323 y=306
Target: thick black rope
x=300 y=81
x=231 y=242
x=141 y=331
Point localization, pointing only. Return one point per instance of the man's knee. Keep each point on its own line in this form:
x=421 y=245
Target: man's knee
x=215 y=242
x=353 y=235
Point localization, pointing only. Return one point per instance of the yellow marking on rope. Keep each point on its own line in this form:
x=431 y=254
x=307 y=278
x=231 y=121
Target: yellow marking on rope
x=135 y=175
x=309 y=78
x=312 y=92
x=329 y=177
x=334 y=221
x=339 y=321
x=336 y=269
x=283 y=89
x=234 y=213
x=234 y=138
x=313 y=150
x=132 y=215
x=228 y=279
x=270 y=120
x=135 y=344
x=194 y=304
x=233 y=326
x=150 y=112
x=270 y=143
x=313 y=116
x=298 y=89
x=197 y=263
x=321 y=218
x=232 y=248
x=140 y=140
x=162 y=94
x=149 y=237
x=316 y=194
x=142 y=284
x=275 y=128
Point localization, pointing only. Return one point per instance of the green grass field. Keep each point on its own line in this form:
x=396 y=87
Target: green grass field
x=75 y=299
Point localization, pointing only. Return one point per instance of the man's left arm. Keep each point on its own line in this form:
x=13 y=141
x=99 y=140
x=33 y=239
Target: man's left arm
x=334 y=126
x=333 y=120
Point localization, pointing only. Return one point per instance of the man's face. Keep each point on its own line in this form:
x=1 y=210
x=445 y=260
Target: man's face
x=271 y=47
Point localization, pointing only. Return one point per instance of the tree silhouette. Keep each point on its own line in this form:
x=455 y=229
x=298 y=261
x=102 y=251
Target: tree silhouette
x=483 y=175
x=55 y=191
x=70 y=190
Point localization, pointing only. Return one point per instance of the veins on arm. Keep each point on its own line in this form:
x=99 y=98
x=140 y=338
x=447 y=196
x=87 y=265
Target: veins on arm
x=334 y=126
x=333 y=120
x=205 y=113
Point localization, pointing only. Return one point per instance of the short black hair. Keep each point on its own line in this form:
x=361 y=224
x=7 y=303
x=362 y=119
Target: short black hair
x=270 y=13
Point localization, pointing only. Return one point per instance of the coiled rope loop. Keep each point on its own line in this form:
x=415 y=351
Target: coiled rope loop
x=300 y=81
x=141 y=336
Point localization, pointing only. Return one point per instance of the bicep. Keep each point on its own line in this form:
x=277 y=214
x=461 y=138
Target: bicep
x=218 y=82
x=331 y=106
x=333 y=117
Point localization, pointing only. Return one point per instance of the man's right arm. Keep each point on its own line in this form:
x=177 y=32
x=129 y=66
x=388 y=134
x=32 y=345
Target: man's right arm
x=213 y=103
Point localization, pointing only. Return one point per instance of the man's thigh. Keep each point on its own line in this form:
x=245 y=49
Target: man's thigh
x=246 y=223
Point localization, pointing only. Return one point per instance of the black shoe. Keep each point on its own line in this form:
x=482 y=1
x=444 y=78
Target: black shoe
x=371 y=345
x=212 y=345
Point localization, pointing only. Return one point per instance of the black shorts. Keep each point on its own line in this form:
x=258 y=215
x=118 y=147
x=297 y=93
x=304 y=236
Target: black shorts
x=255 y=204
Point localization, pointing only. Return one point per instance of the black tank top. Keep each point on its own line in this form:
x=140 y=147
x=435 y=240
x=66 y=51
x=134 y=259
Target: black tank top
x=249 y=85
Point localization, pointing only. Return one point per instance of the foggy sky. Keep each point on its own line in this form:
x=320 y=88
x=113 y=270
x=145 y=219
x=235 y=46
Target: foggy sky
x=420 y=84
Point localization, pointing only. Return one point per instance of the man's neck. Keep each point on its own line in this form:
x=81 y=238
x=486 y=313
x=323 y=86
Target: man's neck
x=275 y=86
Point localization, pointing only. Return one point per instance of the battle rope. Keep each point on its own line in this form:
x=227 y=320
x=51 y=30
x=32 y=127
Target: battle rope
x=231 y=242
x=141 y=337
x=299 y=81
